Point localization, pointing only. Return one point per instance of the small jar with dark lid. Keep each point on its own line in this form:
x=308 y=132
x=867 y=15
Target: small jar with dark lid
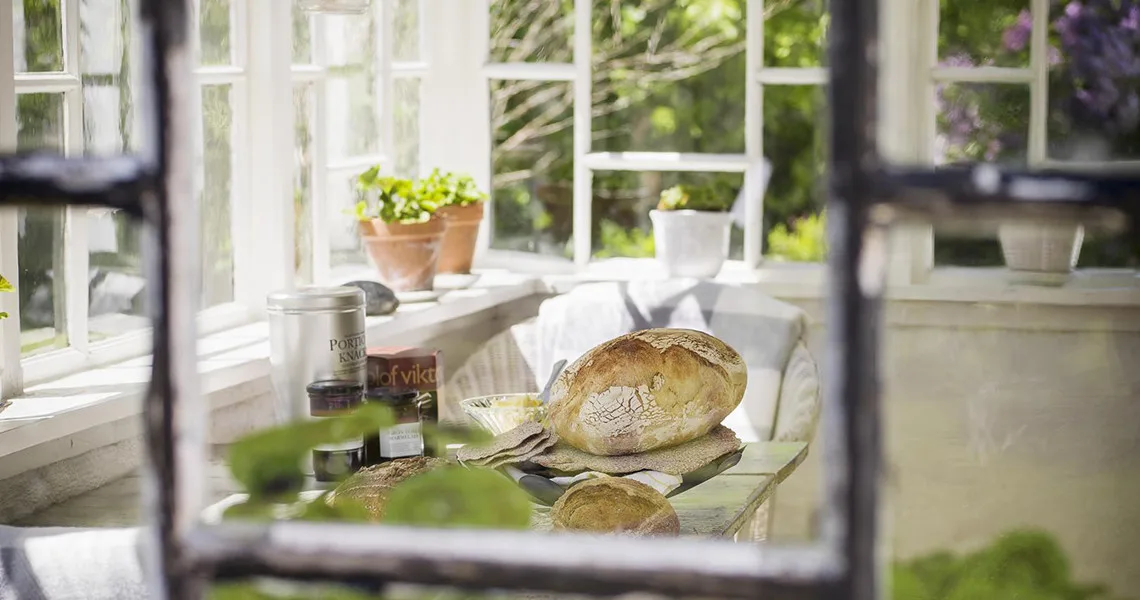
x=332 y=398
x=405 y=438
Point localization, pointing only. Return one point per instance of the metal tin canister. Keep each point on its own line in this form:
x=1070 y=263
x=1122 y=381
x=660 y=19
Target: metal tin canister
x=315 y=333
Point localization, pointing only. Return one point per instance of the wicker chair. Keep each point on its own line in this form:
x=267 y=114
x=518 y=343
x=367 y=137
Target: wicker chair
x=505 y=364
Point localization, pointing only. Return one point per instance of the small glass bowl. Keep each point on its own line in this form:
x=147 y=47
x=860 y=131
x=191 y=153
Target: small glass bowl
x=500 y=413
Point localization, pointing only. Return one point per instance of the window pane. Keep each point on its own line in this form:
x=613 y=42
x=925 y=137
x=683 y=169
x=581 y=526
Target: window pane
x=533 y=165
x=532 y=31
x=795 y=33
x=215 y=22
x=217 y=179
x=406 y=30
x=978 y=122
x=1094 y=91
x=117 y=289
x=38 y=40
x=668 y=77
x=353 y=125
x=407 y=121
x=794 y=145
x=302 y=36
x=39 y=118
x=303 y=180
x=345 y=247
x=993 y=33
x=623 y=199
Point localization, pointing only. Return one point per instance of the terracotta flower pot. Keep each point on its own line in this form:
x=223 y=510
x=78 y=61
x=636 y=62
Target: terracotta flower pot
x=404 y=254
x=459 y=238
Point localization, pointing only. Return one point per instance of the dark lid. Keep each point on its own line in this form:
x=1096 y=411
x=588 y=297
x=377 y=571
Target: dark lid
x=335 y=387
x=391 y=394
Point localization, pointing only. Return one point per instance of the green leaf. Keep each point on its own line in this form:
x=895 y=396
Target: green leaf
x=459 y=497
x=267 y=463
x=3 y=315
x=5 y=285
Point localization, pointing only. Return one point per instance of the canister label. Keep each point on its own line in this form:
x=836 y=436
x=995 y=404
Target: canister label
x=401 y=440
x=350 y=355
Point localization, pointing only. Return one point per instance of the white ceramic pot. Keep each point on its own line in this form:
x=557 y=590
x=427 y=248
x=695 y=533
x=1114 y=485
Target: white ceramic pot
x=1041 y=247
x=691 y=243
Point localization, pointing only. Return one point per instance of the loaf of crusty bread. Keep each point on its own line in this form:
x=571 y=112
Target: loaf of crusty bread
x=615 y=505
x=645 y=390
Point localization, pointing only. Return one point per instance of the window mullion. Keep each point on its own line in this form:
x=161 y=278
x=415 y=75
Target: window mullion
x=11 y=372
x=583 y=89
x=1039 y=85
x=922 y=122
x=383 y=49
x=75 y=250
x=318 y=203
x=754 y=134
x=264 y=222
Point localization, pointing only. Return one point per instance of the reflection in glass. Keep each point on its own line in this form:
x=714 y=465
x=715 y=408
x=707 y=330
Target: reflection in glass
x=303 y=180
x=406 y=31
x=668 y=78
x=215 y=21
x=352 y=121
x=302 y=36
x=217 y=181
x=532 y=157
x=406 y=98
x=532 y=31
x=38 y=41
x=40 y=283
x=345 y=246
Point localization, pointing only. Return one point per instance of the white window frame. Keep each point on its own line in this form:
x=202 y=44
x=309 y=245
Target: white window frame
x=923 y=127
x=324 y=171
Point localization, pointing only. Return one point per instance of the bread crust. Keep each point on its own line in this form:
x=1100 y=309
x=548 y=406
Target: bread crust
x=646 y=390
x=615 y=505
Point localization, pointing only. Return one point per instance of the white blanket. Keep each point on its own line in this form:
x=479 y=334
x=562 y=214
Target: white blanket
x=762 y=329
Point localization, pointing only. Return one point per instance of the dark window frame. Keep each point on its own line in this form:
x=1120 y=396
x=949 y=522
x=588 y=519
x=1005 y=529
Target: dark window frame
x=865 y=198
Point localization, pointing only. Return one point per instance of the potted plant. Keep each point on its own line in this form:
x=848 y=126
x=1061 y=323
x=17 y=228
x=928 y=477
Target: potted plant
x=400 y=229
x=5 y=286
x=461 y=204
x=691 y=231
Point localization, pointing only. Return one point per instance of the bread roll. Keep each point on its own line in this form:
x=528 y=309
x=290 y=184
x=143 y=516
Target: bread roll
x=615 y=505
x=645 y=390
x=370 y=486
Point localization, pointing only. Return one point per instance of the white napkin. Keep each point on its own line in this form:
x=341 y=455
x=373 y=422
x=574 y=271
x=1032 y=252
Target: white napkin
x=662 y=482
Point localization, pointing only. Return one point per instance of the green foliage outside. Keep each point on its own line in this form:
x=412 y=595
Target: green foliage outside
x=5 y=286
x=804 y=241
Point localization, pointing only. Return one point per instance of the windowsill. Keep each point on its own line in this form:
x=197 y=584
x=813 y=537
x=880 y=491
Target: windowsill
x=73 y=404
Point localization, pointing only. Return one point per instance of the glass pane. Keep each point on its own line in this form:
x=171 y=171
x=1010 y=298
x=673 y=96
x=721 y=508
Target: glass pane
x=532 y=31
x=533 y=166
x=302 y=36
x=794 y=144
x=1094 y=92
x=795 y=33
x=352 y=113
x=992 y=33
x=303 y=180
x=1109 y=251
x=622 y=201
x=105 y=63
x=38 y=40
x=40 y=283
x=407 y=120
x=117 y=302
x=215 y=22
x=978 y=122
x=982 y=122
x=217 y=181
x=668 y=77
x=345 y=247
x=406 y=30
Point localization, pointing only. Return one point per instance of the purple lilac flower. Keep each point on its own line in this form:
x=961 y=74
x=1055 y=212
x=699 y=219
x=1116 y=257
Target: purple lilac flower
x=1016 y=38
